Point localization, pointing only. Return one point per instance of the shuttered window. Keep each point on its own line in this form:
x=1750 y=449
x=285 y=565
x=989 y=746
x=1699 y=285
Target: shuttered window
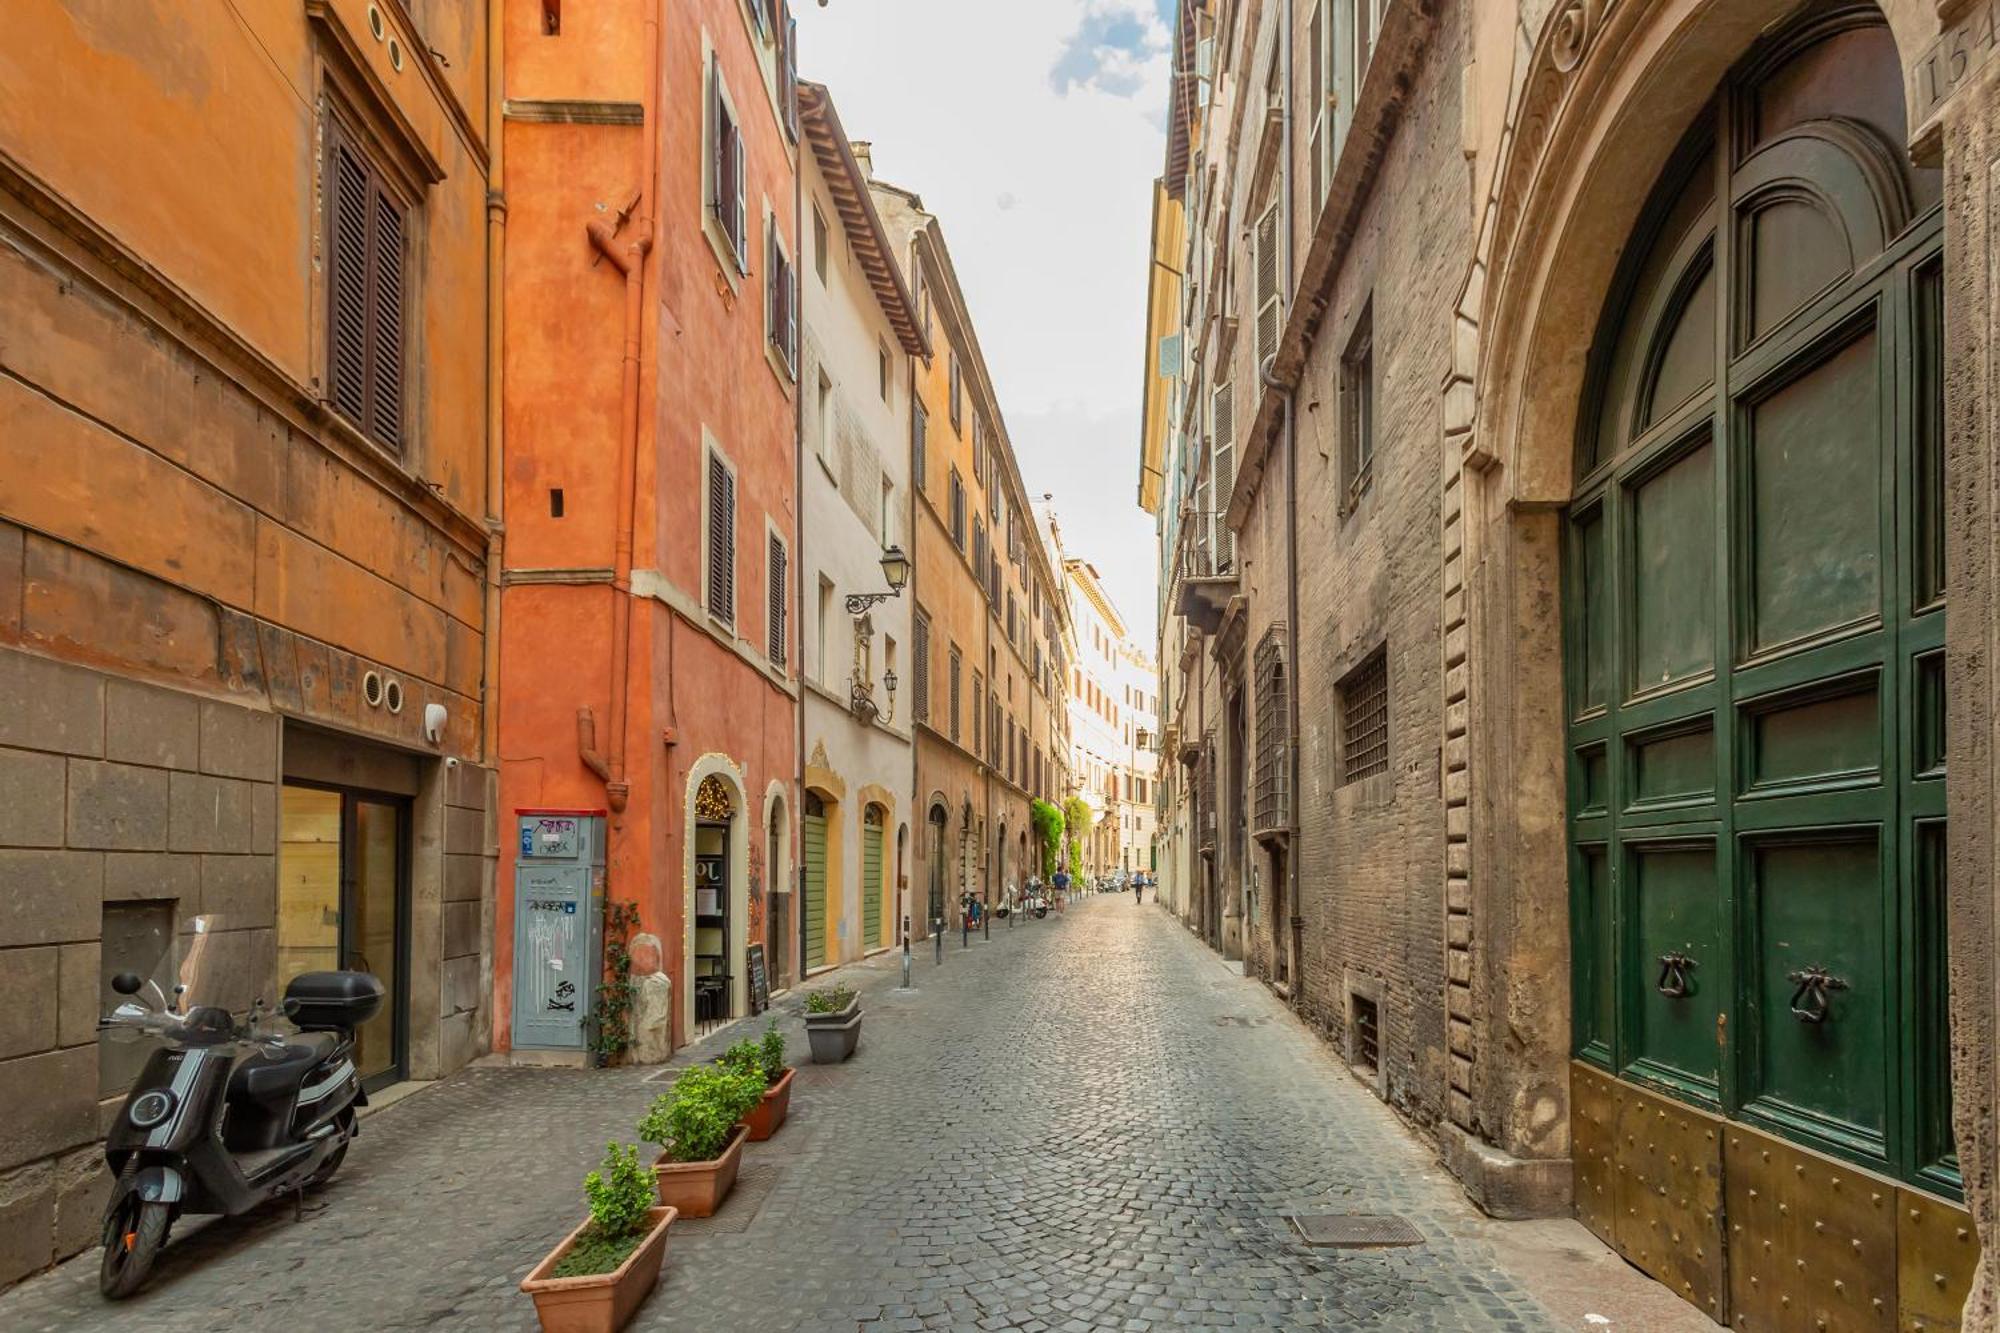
x=781 y=297
x=1269 y=292
x=367 y=273
x=1223 y=477
x=953 y=726
x=1357 y=410
x=776 y=604
x=920 y=701
x=788 y=68
x=920 y=432
x=978 y=689
x=725 y=165
x=957 y=509
x=721 y=540
x=957 y=397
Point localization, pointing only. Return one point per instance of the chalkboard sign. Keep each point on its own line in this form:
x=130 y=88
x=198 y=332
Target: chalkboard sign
x=760 y=984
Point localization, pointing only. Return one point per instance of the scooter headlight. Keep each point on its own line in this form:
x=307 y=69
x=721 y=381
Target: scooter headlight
x=150 y=1108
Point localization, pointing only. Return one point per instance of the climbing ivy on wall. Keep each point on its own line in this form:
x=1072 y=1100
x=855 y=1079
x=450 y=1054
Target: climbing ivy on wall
x=1048 y=822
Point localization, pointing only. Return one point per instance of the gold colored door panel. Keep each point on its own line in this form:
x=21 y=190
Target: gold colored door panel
x=1669 y=1193
x=1595 y=1098
x=1812 y=1239
x=1936 y=1251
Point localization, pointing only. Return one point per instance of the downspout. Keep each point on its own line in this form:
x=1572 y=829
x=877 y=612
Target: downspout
x=1294 y=975
x=629 y=258
x=798 y=561
x=496 y=254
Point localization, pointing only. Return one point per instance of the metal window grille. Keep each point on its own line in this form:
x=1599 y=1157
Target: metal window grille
x=1272 y=796
x=1364 y=719
x=1367 y=1033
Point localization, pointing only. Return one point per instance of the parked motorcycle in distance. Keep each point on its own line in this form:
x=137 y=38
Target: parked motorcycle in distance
x=226 y=1114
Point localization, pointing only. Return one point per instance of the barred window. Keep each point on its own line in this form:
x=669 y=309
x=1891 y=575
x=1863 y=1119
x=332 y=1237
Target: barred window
x=1364 y=719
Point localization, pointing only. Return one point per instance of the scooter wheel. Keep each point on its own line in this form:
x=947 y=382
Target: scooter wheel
x=133 y=1237
x=324 y=1172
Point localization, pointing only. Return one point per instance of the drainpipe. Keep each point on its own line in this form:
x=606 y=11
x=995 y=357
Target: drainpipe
x=629 y=258
x=1294 y=976
x=795 y=800
x=496 y=252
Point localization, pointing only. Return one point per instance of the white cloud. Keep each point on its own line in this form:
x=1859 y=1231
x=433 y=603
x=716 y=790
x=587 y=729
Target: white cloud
x=1032 y=129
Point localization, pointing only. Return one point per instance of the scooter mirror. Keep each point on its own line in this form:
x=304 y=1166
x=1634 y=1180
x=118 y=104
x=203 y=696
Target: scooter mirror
x=126 y=983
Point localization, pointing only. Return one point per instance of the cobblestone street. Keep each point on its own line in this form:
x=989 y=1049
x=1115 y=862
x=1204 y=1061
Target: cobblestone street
x=1087 y=1123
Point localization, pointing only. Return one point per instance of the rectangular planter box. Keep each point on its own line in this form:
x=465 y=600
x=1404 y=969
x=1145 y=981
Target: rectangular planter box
x=697 y=1189
x=605 y=1302
x=771 y=1110
x=834 y=1036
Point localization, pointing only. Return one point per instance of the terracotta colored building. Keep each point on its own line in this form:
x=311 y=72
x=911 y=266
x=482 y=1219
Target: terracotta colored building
x=986 y=644
x=649 y=665
x=244 y=593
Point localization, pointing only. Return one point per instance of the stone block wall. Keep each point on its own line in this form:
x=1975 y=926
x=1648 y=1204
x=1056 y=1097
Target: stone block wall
x=111 y=792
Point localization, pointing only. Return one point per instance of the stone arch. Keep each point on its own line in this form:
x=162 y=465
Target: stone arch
x=778 y=880
x=1601 y=96
x=729 y=778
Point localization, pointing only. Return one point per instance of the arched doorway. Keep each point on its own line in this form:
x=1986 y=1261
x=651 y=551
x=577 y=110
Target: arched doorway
x=1753 y=636
x=812 y=902
x=719 y=900
x=939 y=822
x=874 y=887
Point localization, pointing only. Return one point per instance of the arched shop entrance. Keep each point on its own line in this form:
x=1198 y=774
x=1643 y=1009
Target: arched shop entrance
x=1753 y=646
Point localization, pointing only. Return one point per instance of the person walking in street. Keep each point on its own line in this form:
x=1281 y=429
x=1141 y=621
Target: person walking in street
x=1139 y=889
x=1061 y=883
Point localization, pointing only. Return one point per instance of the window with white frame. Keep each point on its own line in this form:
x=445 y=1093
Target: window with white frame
x=724 y=169
x=781 y=297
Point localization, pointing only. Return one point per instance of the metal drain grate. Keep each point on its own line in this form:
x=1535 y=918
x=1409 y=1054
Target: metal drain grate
x=739 y=1210
x=1355 y=1231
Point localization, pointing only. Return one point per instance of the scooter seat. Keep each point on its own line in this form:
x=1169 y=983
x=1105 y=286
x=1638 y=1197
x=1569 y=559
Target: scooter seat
x=274 y=1076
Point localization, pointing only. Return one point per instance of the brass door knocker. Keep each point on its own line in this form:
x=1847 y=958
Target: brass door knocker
x=1813 y=983
x=1674 y=968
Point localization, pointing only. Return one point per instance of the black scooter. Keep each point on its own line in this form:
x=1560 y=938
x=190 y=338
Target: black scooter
x=226 y=1116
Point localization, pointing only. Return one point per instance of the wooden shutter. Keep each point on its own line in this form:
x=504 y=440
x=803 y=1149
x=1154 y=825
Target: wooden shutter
x=978 y=689
x=366 y=295
x=737 y=230
x=776 y=605
x=789 y=28
x=347 y=285
x=721 y=540
x=919 y=439
x=385 y=351
x=955 y=660
x=921 y=651
x=1224 y=474
x=1270 y=297
x=718 y=148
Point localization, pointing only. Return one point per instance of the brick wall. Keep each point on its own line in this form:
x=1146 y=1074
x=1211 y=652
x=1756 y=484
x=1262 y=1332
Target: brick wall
x=1371 y=868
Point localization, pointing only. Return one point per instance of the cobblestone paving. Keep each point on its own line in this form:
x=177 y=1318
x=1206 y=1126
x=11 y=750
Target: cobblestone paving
x=1086 y=1124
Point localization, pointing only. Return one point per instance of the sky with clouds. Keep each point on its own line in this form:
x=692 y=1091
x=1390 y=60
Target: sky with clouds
x=1033 y=129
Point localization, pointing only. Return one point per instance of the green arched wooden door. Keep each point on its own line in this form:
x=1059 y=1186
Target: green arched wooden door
x=814 y=907
x=872 y=887
x=1755 y=624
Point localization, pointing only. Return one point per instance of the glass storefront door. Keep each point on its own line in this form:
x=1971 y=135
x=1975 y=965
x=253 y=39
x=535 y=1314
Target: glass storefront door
x=343 y=900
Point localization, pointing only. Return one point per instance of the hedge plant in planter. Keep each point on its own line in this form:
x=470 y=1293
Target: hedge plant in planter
x=766 y=1059
x=695 y=1124
x=603 y=1271
x=833 y=1023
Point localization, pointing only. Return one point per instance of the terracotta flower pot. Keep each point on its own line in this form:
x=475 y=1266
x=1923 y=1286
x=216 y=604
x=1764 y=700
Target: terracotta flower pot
x=834 y=1036
x=605 y=1302
x=770 y=1111
x=697 y=1189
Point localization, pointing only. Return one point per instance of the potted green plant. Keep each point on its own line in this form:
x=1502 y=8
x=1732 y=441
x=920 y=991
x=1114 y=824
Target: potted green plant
x=833 y=1024
x=701 y=1144
x=596 y=1280
x=766 y=1059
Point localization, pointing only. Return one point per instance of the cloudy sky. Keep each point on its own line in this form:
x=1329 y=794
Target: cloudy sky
x=1033 y=129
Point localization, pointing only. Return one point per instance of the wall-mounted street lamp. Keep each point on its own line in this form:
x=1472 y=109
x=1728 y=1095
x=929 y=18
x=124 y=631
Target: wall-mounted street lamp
x=896 y=569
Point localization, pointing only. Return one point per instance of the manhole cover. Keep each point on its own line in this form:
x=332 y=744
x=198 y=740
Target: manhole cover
x=1355 y=1231
x=739 y=1210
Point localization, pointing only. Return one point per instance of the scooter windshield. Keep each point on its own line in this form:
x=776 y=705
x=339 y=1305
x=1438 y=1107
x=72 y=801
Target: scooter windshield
x=205 y=964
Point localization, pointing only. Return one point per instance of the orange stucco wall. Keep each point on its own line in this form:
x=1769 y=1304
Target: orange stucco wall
x=697 y=687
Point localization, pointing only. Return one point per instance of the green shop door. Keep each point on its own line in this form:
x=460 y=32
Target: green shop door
x=872 y=887
x=1754 y=606
x=814 y=906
